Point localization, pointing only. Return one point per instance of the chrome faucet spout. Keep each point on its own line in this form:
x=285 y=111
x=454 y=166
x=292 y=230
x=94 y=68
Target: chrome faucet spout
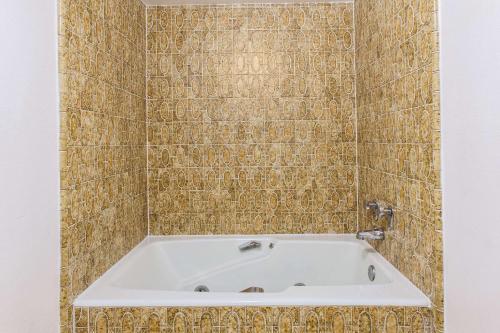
x=372 y=234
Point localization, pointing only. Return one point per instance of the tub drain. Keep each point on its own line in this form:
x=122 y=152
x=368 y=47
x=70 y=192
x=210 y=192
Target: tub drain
x=300 y=284
x=201 y=289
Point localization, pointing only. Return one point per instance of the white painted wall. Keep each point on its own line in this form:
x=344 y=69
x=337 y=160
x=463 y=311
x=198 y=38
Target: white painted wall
x=29 y=219
x=470 y=69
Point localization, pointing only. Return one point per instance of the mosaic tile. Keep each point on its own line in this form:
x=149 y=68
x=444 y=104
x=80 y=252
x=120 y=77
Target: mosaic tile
x=257 y=319
x=103 y=140
x=397 y=89
x=251 y=119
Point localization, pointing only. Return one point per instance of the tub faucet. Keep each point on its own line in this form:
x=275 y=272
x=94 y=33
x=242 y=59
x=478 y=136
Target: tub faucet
x=372 y=234
x=253 y=244
x=380 y=211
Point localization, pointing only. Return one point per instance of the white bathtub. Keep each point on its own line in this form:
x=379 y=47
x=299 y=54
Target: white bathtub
x=164 y=271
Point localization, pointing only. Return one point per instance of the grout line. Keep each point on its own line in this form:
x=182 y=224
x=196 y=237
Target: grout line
x=146 y=116
x=355 y=111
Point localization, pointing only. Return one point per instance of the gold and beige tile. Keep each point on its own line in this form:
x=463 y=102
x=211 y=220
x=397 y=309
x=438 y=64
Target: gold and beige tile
x=103 y=139
x=398 y=134
x=254 y=319
x=251 y=125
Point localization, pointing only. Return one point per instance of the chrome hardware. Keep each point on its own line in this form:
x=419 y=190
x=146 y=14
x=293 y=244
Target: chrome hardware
x=373 y=234
x=371 y=205
x=380 y=211
x=374 y=207
x=388 y=213
x=201 y=289
x=250 y=245
x=371 y=272
x=253 y=290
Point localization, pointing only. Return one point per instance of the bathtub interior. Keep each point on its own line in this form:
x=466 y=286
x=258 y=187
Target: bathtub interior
x=333 y=270
x=218 y=264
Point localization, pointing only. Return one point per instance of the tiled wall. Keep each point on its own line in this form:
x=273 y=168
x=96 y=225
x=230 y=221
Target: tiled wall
x=251 y=124
x=254 y=319
x=103 y=140
x=398 y=134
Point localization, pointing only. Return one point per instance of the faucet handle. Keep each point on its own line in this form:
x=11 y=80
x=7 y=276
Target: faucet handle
x=375 y=207
x=371 y=205
x=389 y=213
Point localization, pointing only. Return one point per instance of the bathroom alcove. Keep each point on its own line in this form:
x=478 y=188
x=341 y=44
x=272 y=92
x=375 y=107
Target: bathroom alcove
x=258 y=118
